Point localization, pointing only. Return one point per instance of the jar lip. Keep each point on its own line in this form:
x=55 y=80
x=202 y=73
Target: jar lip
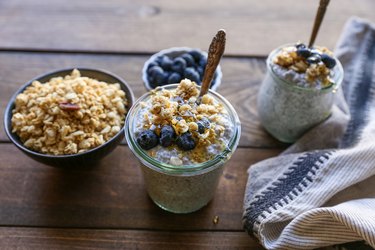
x=338 y=73
x=142 y=155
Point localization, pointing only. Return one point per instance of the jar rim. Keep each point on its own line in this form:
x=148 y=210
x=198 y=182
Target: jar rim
x=338 y=73
x=149 y=161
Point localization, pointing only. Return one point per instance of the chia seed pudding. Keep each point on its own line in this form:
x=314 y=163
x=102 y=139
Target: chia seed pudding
x=298 y=90
x=182 y=143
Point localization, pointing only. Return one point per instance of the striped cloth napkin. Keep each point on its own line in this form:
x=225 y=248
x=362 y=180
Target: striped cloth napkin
x=321 y=191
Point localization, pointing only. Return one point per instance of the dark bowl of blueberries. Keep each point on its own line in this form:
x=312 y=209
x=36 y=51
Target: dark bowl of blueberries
x=172 y=65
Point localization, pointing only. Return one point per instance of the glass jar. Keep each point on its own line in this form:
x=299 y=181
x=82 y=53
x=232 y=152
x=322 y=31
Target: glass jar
x=185 y=188
x=286 y=110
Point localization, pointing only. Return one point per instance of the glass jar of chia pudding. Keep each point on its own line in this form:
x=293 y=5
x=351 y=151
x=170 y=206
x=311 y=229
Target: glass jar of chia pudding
x=298 y=90
x=179 y=178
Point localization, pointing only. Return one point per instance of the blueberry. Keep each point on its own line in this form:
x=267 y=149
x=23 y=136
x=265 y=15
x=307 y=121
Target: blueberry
x=159 y=59
x=196 y=55
x=151 y=81
x=152 y=71
x=201 y=128
x=179 y=64
x=151 y=64
x=203 y=124
x=200 y=71
x=203 y=62
x=174 y=78
x=329 y=61
x=161 y=79
x=157 y=76
x=314 y=58
x=189 y=59
x=147 y=139
x=185 y=141
x=304 y=52
x=167 y=135
x=315 y=51
x=300 y=46
x=192 y=74
x=166 y=63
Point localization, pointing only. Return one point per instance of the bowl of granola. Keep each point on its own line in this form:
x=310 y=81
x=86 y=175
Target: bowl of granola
x=70 y=117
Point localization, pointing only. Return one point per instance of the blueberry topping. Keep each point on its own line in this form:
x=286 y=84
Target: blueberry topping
x=179 y=64
x=167 y=135
x=315 y=51
x=201 y=128
x=329 y=61
x=304 y=52
x=196 y=55
x=192 y=74
x=314 y=58
x=185 y=141
x=174 y=78
x=300 y=46
x=203 y=124
x=166 y=63
x=189 y=59
x=147 y=139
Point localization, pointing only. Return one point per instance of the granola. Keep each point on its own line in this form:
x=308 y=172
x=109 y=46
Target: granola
x=206 y=124
x=68 y=115
x=313 y=64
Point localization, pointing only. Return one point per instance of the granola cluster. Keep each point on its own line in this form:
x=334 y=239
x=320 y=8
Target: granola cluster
x=315 y=64
x=201 y=122
x=68 y=115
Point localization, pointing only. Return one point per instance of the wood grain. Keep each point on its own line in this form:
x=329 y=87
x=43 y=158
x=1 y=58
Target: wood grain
x=42 y=238
x=241 y=80
x=253 y=27
x=110 y=195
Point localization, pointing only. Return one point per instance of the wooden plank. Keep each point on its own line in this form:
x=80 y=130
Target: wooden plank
x=111 y=195
x=253 y=27
x=46 y=238
x=240 y=84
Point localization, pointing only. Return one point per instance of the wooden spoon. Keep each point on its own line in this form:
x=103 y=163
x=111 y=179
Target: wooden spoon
x=215 y=53
x=318 y=20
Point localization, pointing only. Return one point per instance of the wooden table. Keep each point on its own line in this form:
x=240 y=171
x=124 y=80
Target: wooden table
x=107 y=207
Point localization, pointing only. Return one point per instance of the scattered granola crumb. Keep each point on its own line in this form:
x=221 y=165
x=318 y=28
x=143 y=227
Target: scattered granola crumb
x=215 y=219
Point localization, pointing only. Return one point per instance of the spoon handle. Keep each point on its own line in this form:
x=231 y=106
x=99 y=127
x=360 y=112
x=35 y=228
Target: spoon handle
x=318 y=20
x=215 y=53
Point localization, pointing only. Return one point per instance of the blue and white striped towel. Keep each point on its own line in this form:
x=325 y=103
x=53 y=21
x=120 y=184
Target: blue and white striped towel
x=321 y=190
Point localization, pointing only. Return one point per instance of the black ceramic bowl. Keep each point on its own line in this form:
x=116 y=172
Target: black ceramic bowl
x=85 y=159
